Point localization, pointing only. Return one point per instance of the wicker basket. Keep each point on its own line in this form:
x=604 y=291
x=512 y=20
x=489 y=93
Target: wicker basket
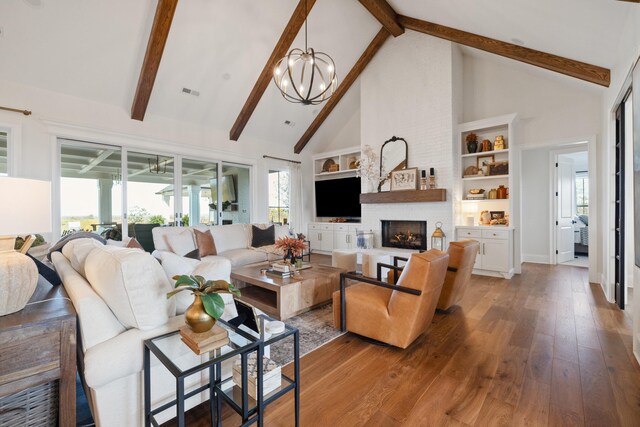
x=37 y=407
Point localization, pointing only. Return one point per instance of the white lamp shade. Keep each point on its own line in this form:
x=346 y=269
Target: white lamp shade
x=25 y=206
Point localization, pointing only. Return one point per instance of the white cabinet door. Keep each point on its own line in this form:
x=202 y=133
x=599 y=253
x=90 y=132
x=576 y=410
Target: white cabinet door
x=313 y=235
x=341 y=240
x=495 y=254
x=326 y=240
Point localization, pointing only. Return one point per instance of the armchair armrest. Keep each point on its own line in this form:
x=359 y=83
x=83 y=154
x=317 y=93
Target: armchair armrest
x=363 y=279
x=395 y=269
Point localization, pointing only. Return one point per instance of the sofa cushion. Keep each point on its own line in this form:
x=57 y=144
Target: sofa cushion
x=204 y=242
x=181 y=243
x=228 y=237
x=262 y=237
x=240 y=257
x=133 y=284
x=76 y=251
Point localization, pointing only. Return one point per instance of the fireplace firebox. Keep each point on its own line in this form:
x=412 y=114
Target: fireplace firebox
x=404 y=234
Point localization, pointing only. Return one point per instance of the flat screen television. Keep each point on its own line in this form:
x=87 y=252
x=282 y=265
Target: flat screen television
x=338 y=198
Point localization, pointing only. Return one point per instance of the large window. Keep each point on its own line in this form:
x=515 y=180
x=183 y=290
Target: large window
x=4 y=155
x=90 y=187
x=279 y=183
x=582 y=193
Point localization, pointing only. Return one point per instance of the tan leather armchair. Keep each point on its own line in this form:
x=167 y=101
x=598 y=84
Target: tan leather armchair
x=394 y=314
x=462 y=256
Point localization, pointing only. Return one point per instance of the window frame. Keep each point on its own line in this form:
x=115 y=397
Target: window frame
x=14 y=139
x=279 y=207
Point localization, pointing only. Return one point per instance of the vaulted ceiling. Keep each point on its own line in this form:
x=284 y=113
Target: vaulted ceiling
x=94 y=49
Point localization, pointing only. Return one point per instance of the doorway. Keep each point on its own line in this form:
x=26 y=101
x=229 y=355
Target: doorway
x=571 y=201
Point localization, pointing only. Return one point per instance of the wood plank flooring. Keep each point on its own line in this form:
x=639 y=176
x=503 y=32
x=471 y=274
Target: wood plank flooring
x=542 y=349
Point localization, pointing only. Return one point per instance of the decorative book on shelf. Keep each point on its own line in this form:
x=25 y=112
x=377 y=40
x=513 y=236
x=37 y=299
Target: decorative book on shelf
x=204 y=342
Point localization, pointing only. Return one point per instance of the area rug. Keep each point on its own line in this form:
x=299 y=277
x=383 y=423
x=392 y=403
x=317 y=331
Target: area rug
x=316 y=329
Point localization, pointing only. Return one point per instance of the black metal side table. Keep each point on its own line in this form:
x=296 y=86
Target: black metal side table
x=172 y=353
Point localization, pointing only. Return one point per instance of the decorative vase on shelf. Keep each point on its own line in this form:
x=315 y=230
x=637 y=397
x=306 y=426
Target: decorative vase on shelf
x=472 y=146
x=197 y=318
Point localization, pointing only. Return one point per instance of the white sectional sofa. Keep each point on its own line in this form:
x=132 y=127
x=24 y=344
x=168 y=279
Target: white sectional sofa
x=120 y=297
x=233 y=243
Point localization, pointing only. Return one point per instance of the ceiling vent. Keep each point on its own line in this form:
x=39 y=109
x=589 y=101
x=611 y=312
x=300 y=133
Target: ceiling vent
x=190 y=91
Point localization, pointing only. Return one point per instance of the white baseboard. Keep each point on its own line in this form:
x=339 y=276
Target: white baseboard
x=537 y=259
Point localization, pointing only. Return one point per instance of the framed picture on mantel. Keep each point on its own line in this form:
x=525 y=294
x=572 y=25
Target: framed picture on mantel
x=404 y=179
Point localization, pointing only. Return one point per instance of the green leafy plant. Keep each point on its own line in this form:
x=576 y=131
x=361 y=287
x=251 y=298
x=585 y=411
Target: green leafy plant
x=209 y=291
x=185 y=220
x=157 y=219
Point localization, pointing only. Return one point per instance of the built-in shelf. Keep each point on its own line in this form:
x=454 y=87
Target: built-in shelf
x=340 y=172
x=484 y=200
x=406 y=196
x=479 y=178
x=485 y=153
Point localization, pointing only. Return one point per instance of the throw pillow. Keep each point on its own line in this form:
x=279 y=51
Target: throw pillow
x=194 y=254
x=205 y=243
x=262 y=237
x=134 y=244
x=181 y=243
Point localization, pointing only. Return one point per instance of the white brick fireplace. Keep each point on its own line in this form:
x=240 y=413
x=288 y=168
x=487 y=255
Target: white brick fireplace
x=413 y=89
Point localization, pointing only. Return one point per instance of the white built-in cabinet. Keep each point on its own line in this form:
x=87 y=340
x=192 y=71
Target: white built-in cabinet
x=495 y=257
x=499 y=245
x=325 y=237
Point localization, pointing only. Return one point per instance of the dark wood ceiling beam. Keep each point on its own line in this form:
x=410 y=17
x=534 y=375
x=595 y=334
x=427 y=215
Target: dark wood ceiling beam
x=282 y=48
x=153 y=55
x=559 y=64
x=343 y=88
x=383 y=12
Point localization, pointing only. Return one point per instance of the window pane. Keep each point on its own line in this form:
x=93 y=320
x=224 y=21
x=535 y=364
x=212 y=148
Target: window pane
x=235 y=194
x=3 y=153
x=91 y=189
x=150 y=192
x=199 y=192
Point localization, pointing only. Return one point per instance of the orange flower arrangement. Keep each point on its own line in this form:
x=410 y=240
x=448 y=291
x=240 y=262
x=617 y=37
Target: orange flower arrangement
x=286 y=244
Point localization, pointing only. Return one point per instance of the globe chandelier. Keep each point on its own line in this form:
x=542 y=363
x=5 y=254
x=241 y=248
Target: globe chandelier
x=305 y=76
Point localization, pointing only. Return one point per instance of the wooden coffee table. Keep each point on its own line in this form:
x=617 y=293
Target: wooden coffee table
x=284 y=298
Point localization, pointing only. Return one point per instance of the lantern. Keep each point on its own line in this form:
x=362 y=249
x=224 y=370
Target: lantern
x=438 y=239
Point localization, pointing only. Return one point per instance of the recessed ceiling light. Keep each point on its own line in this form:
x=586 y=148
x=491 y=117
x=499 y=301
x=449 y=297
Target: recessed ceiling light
x=289 y=123
x=226 y=76
x=517 y=41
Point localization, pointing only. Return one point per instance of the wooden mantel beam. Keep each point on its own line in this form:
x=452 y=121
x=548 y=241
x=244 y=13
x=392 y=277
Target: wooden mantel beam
x=383 y=12
x=559 y=64
x=155 y=48
x=280 y=50
x=343 y=87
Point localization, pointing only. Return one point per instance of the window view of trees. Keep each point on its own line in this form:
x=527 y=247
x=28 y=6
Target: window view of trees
x=582 y=194
x=279 y=196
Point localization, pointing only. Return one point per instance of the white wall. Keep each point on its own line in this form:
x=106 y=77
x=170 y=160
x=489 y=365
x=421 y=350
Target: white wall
x=407 y=91
x=64 y=115
x=552 y=110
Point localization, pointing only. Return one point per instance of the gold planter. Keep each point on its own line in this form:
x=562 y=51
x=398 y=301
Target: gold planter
x=197 y=318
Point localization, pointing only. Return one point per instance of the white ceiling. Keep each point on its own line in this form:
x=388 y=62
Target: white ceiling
x=94 y=49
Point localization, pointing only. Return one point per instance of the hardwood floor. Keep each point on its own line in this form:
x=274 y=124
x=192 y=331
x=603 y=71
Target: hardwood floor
x=544 y=348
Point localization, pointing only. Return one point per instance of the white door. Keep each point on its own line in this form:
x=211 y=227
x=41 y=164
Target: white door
x=565 y=204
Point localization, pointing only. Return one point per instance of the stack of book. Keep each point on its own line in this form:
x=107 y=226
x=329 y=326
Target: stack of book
x=279 y=270
x=471 y=196
x=204 y=342
x=271 y=378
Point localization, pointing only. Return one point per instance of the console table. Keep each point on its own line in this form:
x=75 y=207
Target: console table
x=39 y=354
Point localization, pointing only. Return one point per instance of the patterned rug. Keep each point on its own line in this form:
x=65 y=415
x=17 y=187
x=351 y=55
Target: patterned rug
x=316 y=329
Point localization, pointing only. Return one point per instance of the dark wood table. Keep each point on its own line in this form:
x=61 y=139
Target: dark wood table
x=38 y=345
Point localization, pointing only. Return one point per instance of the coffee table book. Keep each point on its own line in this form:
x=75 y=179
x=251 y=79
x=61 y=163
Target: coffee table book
x=271 y=375
x=204 y=342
